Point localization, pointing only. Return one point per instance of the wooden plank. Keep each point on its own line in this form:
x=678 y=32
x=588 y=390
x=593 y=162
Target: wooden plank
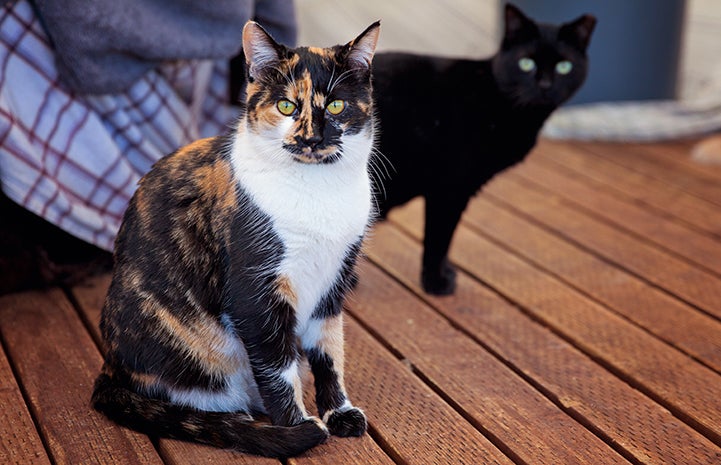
x=624 y=183
x=675 y=174
x=518 y=417
x=676 y=158
x=20 y=443
x=56 y=362
x=414 y=423
x=351 y=451
x=681 y=384
x=672 y=320
x=90 y=297
x=665 y=232
x=185 y=453
x=675 y=275
x=619 y=413
x=680 y=152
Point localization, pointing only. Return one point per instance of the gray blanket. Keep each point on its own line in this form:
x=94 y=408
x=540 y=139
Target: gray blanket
x=102 y=46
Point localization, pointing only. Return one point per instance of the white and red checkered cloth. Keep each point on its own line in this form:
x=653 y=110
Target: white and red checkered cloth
x=75 y=159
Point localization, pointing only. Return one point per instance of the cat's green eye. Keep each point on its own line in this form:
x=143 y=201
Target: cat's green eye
x=286 y=107
x=335 y=107
x=564 y=67
x=526 y=64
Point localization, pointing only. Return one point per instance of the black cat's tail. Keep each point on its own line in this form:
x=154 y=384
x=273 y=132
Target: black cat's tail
x=237 y=431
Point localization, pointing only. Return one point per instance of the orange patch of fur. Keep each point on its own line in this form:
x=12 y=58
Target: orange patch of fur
x=319 y=100
x=216 y=181
x=202 y=339
x=285 y=290
x=145 y=380
x=332 y=344
x=324 y=52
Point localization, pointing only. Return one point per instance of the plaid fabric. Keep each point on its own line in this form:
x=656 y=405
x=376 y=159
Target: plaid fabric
x=75 y=160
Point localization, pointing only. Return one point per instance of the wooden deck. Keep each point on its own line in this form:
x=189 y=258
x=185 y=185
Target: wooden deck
x=586 y=329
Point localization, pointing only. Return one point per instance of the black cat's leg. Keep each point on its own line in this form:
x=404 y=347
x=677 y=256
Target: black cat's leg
x=442 y=216
x=323 y=344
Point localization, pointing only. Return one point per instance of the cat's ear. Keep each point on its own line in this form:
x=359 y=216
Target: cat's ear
x=261 y=52
x=519 y=27
x=578 y=32
x=359 y=51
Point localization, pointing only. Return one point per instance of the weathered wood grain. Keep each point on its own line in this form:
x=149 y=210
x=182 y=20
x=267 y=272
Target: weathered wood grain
x=625 y=183
x=679 y=277
x=491 y=395
x=625 y=215
x=672 y=320
x=20 y=443
x=683 y=385
x=620 y=414
x=643 y=159
x=57 y=362
x=414 y=423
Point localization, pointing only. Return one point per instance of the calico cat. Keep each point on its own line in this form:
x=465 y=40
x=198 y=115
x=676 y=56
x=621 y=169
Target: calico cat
x=450 y=125
x=234 y=256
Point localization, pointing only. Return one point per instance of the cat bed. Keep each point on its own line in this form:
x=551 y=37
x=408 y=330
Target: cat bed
x=641 y=121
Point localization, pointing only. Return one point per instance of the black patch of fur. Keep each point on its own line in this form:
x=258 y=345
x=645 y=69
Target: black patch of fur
x=328 y=393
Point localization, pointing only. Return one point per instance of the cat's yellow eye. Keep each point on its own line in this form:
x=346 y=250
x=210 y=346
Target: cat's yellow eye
x=564 y=67
x=286 y=107
x=526 y=64
x=335 y=107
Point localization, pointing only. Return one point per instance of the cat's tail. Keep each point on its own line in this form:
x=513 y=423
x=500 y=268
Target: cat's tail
x=237 y=431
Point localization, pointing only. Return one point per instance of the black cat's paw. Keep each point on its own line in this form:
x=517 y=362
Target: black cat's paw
x=345 y=423
x=441 y=283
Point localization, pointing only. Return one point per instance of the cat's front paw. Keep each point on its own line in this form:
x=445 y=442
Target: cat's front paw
x=348 y=422
x=440 y=283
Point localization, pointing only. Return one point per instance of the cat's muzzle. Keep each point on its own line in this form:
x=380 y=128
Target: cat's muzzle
x=314 y=156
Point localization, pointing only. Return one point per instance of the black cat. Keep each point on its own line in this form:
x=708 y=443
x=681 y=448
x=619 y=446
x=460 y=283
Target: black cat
x=450 y=125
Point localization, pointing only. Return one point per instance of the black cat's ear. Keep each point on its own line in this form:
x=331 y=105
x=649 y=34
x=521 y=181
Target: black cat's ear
x=262 y=53
x=519 y=27
x=578 y=32
x=359 y=51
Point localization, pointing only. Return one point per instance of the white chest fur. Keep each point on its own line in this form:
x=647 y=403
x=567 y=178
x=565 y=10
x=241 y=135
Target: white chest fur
x=317 y=210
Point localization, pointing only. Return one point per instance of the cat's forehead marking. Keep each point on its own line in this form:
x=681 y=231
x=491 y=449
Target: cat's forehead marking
x=322 y=52
x=319 y=100
x=307 y=94
x=304 y=84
